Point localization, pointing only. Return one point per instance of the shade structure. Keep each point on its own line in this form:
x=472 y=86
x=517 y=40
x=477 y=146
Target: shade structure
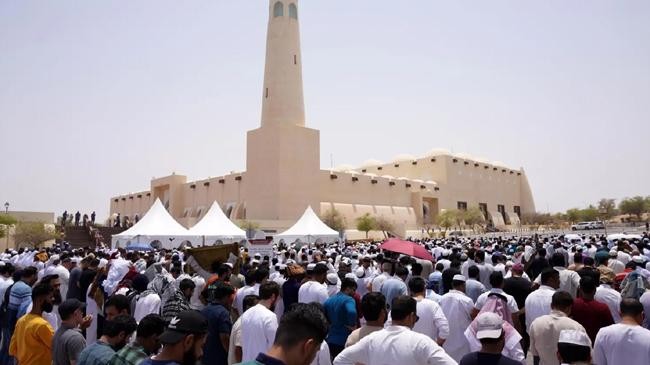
x=407 y=248
x=156 y=227
x=215 y=227
x=308 y=229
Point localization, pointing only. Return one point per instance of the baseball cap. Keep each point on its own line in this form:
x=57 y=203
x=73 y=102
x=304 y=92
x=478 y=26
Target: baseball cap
x=489 y=325
x=69 y=306
x=185 y=323
x=574 y=337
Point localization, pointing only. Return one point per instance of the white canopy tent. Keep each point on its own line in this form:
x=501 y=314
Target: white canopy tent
x=214 y=227
x=309 y=229
x=156 y=227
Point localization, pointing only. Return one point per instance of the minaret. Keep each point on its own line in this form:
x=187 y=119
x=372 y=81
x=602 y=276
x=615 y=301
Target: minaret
x=282 y=99
x=283 y=175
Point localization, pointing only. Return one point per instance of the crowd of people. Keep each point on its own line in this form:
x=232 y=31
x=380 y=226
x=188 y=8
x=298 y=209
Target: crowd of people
x=479 y=301
x=78 y=218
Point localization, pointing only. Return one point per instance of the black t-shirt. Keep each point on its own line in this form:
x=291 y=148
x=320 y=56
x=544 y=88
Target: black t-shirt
x=87 y=277
x=519 y=288
x=481 y=358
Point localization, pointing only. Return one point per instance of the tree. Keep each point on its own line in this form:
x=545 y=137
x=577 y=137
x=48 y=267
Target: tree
x=446 y=219
x=573 y=215
x=5 y=221
x=249 y=226
x=366 y=223
x=607 y=208
x=473 y=217
x=335 y=220
x=633 y=206
x=32 y=234
x=589 y=214
x=384 y=225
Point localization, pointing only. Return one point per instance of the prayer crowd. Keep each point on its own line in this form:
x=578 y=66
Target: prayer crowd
x=479 y=301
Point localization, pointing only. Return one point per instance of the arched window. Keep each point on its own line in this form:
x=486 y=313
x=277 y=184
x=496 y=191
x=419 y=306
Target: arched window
x=293 y=11
x=278 y=9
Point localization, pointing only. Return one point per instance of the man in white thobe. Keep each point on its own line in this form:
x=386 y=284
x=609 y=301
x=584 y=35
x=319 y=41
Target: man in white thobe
x=397 y=343
x=538 y=303
x=457 y=308
x=606 y=294
x=626 y=342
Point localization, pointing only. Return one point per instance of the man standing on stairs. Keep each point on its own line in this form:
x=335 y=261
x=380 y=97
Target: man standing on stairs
x=92 y=218
x=77 y=217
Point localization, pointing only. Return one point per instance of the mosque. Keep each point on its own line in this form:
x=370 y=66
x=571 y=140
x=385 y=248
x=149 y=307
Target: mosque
x=283 y=174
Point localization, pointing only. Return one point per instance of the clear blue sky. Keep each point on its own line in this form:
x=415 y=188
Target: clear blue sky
x=97 y=97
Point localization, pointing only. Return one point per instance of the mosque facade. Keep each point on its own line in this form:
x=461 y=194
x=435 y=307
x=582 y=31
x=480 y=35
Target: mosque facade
x=283 y=174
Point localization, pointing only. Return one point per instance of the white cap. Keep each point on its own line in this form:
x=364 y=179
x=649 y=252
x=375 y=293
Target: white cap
x=229 y=264
x=350 y=276
x=359 y=272
x=459 y=277
x=332 y=279
x=489 y=325
x=638 y=259
x=575 y=338
x=311 y=266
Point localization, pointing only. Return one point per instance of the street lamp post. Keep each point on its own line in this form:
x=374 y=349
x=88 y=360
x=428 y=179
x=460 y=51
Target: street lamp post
x=7 y=212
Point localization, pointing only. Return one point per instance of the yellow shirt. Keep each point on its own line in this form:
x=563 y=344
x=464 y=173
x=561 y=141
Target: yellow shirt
x=31 y=343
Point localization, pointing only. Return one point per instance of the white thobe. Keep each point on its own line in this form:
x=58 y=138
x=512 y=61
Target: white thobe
x=394 y=345
x=258 y=327
x=235 y=340
x=457 y=307
x=91 y=309
x=569 y=280
x=512 y=303
x=622 y=344
x=195 y=300
x=433 y=322
x=605 y=294
x=538 y=303
x=147 y=305
x=312 y=291
x=378 y=281
x=64 y=278
x=616 y=266
x=645 y=300
x=242 y=293
x=545 y=333
x=323 y=356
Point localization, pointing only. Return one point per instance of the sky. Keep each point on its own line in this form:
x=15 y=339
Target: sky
x=98 y=97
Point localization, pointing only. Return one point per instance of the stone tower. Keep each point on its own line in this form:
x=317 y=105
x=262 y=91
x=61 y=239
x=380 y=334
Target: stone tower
x=283 y=156
x=282 y=99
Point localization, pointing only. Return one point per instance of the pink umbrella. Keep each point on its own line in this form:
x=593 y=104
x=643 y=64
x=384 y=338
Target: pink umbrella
x=406 y=248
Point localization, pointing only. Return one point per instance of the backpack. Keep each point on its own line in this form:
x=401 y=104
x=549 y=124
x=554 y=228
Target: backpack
x=633 y=286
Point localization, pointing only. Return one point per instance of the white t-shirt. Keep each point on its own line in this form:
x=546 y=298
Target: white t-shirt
x=622 y=344
x=312 y=291
x=258 y=327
